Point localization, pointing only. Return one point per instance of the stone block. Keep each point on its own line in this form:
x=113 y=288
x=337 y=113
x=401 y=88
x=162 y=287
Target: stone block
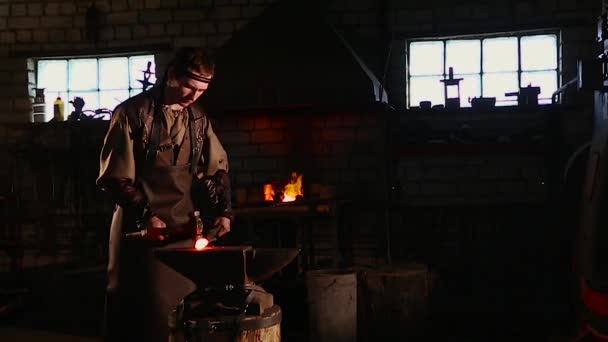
x=35 y=10
x=153 y=4
x=51 y=8
x=56 y=22
x=155 y=16
x=8 y=37
x=228 y=13
x=123 y=18
x=155 y=30
x=22 y=23
x=135 y=4
x=24 y=36
x=267 y=136
x=119 y=5
x=18 y=10
x=67 y=8
x=123 y=33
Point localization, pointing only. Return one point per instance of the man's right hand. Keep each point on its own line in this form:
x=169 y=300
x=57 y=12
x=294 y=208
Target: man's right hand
x=154 y=230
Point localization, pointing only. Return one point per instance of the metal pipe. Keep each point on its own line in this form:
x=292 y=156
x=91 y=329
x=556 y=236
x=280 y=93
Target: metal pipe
x=562 y=89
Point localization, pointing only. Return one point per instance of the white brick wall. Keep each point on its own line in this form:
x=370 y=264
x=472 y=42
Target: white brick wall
x=36 y=27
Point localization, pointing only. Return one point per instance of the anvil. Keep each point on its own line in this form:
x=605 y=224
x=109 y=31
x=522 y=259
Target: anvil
x=218 y=267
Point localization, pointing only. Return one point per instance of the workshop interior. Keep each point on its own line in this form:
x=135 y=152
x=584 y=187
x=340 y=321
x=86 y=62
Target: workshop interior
x=400 y=170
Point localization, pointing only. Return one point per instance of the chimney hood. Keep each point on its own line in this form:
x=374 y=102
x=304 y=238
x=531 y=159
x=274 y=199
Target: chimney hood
x=290 y=56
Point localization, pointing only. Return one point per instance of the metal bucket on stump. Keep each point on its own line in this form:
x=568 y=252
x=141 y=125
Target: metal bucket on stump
x=227 y=305
x=332 y=305
x=186 y=324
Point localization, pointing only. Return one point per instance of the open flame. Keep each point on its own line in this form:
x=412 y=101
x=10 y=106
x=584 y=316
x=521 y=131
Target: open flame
x=287 y=193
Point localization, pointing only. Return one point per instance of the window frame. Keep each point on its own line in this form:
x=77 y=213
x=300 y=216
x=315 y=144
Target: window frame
x=98 y=58
x=481 y=37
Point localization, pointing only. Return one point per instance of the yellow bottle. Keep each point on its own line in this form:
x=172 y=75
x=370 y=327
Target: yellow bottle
x=58 y=109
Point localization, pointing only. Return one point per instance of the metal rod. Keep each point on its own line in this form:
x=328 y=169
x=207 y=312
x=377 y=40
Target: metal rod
x=562 y=89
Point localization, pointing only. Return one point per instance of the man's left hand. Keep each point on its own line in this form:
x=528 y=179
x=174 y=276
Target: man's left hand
x=224 y=223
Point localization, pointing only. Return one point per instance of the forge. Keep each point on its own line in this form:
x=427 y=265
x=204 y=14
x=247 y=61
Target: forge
x=228 y=303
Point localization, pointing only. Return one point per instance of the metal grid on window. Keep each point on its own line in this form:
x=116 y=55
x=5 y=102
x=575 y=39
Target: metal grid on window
x=102 y=82
x=490 y=66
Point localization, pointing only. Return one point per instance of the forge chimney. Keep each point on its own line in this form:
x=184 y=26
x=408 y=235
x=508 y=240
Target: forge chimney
x=290 y=56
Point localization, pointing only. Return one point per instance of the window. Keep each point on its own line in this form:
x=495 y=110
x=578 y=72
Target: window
x=102 y=82
x=489 y=67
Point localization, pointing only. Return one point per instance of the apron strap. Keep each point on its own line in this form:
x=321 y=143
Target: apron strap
x=154 y=137
x=197 y=145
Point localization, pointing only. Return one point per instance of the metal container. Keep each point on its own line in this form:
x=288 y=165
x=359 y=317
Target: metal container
x=39 y=106
x=332 y=305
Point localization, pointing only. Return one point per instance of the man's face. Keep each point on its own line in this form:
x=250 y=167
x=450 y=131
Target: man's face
x=187 y=90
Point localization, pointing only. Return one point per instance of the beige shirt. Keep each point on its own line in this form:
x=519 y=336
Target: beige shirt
x=177 y=124
x=117 y=159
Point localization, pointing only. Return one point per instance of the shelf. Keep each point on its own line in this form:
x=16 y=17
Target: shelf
x=469 y=149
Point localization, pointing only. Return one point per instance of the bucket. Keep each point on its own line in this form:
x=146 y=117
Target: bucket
x=39 y=112
x=332 y=305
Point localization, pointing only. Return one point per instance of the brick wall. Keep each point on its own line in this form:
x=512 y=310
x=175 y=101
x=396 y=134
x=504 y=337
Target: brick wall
x=338 y=147
x=43 y=28
x=51 y=169
x=474 y=156
x=342 y=148
x=375 y=28
x=50 y=205
x=378 y=28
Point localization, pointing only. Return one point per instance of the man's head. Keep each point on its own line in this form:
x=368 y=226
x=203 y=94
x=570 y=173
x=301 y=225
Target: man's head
x=188 y=76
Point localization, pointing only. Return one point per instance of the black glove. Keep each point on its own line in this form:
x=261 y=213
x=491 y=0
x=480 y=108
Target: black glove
x=130 y=198
x=212 y=195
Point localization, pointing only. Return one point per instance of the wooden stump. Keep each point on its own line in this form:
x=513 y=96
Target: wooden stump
x=252 y=328
x=393 y=301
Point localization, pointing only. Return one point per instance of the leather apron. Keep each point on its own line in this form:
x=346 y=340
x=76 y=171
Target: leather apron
x=141 y=290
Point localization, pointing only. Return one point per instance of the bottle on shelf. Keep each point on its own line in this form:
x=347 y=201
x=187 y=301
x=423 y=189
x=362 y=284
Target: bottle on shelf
x=58 y=109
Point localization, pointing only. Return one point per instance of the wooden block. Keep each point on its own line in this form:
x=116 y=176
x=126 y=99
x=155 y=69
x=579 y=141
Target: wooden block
x=393 y=300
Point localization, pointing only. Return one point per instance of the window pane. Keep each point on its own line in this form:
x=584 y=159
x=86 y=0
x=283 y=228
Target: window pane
x=134 y=92
x=114 y=73
x=52 y=75
x=500 y=54
x=546 y=80
x=463 y=55
x=82 y=74
x=426 y=58
x=539 y=52
x=426 y=88
x=111 y=98
x=91 y=101
x=48 y=107
x=137 y=66
x=470 y=87
x=496 y=85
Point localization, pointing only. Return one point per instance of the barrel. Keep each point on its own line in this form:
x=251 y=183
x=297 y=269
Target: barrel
x=229 y=328
x=332 y=305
